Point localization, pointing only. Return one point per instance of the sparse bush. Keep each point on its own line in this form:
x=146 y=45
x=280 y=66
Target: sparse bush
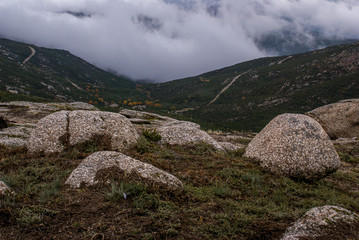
x=30 y=216
x=146 y=201
x=123 y=191
x=345 y=157
x=151 y=135
x=51 y=191
x=143 y=145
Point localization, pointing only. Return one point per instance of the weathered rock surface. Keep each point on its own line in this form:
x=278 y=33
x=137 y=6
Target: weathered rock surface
x=21 y=117
x=229 y=146
x=4 y=189
x=340 y=120
x=12 y=141
x=182 y=133
x=294 y=145
x=32 y=112
x=60 y=129
x=327 y=222
x=3 y=123
x=143 y=119
x=15 y=136
x=144 y=115
x=50 y=133
x=84 y=125
x=86 y=172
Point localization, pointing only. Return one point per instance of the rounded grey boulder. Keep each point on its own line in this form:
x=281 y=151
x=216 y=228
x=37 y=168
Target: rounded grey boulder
x=182 y=133
x=326 y=222
x=340 y=120
x=294 y=145
x=55 y=132
x=88 y=169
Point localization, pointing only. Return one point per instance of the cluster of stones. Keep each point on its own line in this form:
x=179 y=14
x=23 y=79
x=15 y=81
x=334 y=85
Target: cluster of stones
x=69 y=124
x=293 y=145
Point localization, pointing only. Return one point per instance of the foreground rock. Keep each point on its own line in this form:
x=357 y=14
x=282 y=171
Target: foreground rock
x=294 y=145
x=183 y=133
x=87 y=171
x=62 y=129
x=327 y=222
x=340 y=120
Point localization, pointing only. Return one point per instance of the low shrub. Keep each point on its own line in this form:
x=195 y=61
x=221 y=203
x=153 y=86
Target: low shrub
x=151 y=135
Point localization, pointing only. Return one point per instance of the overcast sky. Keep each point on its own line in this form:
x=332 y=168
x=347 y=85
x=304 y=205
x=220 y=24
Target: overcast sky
x=159 y=40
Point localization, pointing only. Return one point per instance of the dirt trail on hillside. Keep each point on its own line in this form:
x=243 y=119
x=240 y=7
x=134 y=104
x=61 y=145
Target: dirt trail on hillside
x=226 y=87
x=31 y=55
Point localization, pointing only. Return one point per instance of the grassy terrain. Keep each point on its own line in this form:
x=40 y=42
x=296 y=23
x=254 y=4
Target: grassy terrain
x=225 y=196
x=268 y=87
x=53 y=74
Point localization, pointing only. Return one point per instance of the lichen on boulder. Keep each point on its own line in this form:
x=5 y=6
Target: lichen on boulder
x=326 y=222
x=183 y=133
x=61 y=129
x=294 y=145
x=340 y=120
x=86 y=172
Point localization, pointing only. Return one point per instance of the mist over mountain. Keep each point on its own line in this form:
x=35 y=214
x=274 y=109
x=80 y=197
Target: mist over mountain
x=163 y=40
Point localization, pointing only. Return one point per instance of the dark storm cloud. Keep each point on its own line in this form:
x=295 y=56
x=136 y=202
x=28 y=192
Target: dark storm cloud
x=160 y=40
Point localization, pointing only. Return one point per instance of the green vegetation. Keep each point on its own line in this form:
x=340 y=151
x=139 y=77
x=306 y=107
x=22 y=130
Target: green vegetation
x=57 y=75
x=267 y=88
x=151 y=135
x=225 y=196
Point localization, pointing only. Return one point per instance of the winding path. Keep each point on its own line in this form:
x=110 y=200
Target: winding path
x=226 y=87
x=31 y=55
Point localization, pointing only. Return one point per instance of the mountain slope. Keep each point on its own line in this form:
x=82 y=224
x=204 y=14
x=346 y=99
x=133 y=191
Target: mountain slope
x=266 y=88
x=52 y=74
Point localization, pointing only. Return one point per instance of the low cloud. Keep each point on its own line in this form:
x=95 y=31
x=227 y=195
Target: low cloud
x=165 y=40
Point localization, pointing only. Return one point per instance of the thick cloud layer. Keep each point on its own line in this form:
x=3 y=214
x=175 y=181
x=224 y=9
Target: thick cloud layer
x=168 y=39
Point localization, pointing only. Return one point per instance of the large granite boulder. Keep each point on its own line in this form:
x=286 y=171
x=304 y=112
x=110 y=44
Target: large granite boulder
x=62 y=129
x=327 y=222
x=183 y=133
x=50 y=133
x=296 y=146
x=86 y=172
x=340 y=120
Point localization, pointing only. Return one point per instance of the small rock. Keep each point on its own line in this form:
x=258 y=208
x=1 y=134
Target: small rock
x=86 y=172
x=326 y=222
x=182 y=133
x=294 y=145
x=340 y=120
x=4 y=189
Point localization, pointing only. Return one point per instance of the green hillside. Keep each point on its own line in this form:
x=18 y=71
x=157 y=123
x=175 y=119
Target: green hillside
x=263 y=88
x=266 y=88
x=57 y=75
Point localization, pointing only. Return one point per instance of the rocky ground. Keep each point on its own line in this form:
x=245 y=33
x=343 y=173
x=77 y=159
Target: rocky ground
x=187 y=184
